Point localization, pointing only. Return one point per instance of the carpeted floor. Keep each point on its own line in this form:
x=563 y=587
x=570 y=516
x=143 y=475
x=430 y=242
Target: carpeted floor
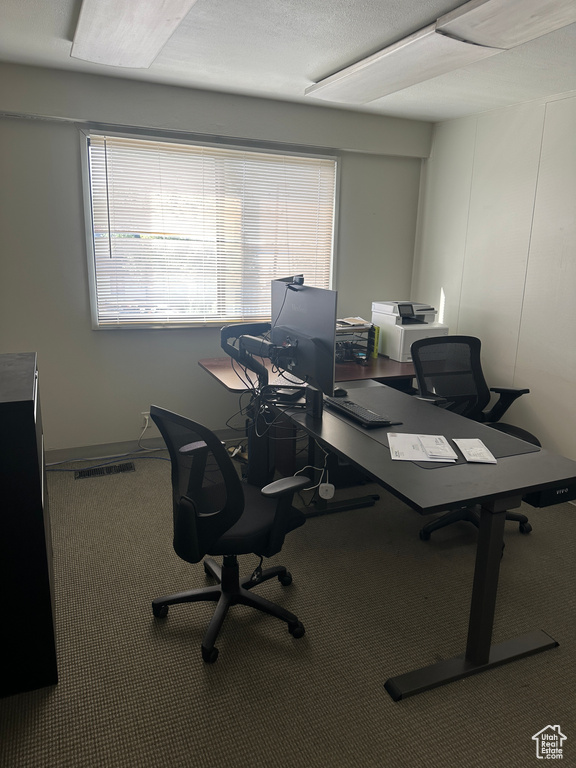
x=376 y=601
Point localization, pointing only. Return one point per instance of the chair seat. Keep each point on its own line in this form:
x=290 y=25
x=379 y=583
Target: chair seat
x=251 y=533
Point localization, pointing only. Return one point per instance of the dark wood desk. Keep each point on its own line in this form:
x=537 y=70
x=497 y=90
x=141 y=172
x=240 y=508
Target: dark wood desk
x=380 y=369
x=521 y=469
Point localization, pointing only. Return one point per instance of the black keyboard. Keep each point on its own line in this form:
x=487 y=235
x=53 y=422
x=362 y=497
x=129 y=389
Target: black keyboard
x=358 y=413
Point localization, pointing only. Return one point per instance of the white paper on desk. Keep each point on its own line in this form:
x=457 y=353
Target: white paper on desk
x=437 y=447
x=406 y=447
x=354 y=321
x=474 y=450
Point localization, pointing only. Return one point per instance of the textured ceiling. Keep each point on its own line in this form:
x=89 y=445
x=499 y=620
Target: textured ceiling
x=277 y=49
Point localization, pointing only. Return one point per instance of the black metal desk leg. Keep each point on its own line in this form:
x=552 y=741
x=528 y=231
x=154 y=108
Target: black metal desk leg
x=485 y=585
x=480 y=654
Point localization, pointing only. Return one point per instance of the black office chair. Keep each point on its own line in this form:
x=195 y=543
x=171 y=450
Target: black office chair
x=449 y=374
x=215 y=514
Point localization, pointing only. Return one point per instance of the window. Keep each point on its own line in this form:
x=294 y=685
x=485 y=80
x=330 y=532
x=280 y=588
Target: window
x=187 y=235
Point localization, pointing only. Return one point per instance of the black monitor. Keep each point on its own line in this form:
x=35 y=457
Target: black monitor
x=303 y=321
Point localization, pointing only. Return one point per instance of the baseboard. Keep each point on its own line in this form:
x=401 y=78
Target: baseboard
x=104 y=450
x=110 y=450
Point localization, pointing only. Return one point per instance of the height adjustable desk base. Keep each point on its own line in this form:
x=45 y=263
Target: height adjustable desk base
x=448 y=671
x=480 y=653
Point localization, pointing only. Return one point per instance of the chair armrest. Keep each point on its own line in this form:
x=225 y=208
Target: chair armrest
x=286 y=485
x=511 y=390
x=507 y=395
x=192 y=447
x=286 y=517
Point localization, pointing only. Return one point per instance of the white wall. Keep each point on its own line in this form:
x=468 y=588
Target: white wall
x=497 y=237
x=377 y=229
x=94 y=384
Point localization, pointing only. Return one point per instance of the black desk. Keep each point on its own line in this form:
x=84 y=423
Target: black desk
x=428 y=488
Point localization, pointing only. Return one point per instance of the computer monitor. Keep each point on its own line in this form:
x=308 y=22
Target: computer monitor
x=303 y=321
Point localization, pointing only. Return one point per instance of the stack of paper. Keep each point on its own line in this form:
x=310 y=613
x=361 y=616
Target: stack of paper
x=474 y=450
x=354 y=321
x=437 y=448
x=406 y=447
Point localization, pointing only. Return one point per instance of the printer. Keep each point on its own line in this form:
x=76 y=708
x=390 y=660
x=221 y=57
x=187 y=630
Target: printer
x=401 y=323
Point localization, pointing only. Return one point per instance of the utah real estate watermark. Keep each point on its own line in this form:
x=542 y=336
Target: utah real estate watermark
x=549 y=743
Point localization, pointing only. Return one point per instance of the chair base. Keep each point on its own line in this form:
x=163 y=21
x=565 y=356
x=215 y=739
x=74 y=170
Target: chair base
x=231 y=590
x=470 y=515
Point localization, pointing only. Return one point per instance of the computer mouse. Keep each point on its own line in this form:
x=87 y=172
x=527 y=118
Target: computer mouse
x=339 y=392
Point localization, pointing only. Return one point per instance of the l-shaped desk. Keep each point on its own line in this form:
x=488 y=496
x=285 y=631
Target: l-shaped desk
x=521 y=469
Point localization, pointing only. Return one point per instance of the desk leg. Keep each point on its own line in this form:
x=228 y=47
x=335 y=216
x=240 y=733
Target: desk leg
x=485 y=585
x=480 y=654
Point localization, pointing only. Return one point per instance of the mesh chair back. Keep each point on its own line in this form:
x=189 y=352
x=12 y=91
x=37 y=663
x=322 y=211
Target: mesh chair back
x=449 y=367
x=207 y=493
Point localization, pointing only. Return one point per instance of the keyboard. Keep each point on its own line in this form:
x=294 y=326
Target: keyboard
x=364 y=416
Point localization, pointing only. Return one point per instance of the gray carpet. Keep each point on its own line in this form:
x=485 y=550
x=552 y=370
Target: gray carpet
x=375 y=600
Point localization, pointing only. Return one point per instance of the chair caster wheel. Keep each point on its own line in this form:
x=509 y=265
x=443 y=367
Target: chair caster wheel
x=297 y=629
x=160 y=611
x=525 y=527
x=209 y=655
x=424 y=535
x=285 y=579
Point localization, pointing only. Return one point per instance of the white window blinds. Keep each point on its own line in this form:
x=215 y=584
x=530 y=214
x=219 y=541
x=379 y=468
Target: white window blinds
x=190 y=235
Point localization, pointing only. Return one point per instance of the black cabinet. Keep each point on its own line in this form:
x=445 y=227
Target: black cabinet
x=27 y=640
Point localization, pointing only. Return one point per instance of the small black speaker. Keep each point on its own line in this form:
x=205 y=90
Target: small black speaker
x=314 y=402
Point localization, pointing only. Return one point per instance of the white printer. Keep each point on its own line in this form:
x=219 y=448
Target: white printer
x=401 y=323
